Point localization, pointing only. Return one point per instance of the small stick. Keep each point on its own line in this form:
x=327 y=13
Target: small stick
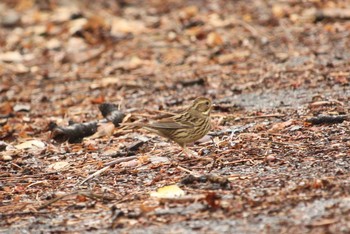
x=188 y=171
x=237 y=161
x=107 y=165
x=55 y=200
x=119 y=160
x=263 y=116
x=327 y=119
x=31 y=213
x=250 y=117
x=38 y=182
x=87 y=194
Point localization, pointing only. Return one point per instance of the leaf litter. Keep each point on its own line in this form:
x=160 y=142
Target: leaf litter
x=278 y=73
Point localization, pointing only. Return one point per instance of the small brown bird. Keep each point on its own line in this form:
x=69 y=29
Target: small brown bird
x=186 y=127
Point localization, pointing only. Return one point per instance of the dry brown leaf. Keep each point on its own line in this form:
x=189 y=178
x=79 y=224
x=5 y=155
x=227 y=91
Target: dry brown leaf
x=280 y=10
x=24 y=4
x=6 y=156
x=144 y=159
x=122 y=26
x=58 y=166
x=173 y=56
x=77 y=25
x=132 y=163
x=17 y=68
x=188 y=12
x=196 y=32
x=238 y=55
x=324 y=222
x=31 y=144
x=280 y=126
x=6 y=108
x=157 y=159
x=11 y=56
x=105 y=129
x=86 y=55
x=214 y=39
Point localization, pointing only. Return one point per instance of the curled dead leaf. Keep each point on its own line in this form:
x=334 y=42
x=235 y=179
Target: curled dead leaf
x=214 y=39
x=171 y=191
x=105 y=129
x=32 y=144
x=280 y=126
x=188 y=12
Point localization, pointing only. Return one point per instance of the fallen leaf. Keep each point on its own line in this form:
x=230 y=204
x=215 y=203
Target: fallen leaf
x=213 y=200
x=77 y=25
x=120 y=26
x=280 y=126
x=5 y=108
x=81 y=198
x=233 y=57
x=58 y=166
x=11 y=56
x=188 y=12
x=132 y=163
x=173 y=56
x=6 y=157
x=105 y=129
x=280 y=10
x=323 y=222
x=21 y=107
x=32 y=144
x=157 y=159
x=86 y=55
x=214 y=39
x=171 y=191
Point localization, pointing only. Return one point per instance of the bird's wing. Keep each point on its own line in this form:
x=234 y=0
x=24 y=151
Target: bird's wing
x=169 y=123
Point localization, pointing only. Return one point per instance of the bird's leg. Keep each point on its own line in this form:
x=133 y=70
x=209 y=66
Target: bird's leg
x=192 y=154
x=189 y=153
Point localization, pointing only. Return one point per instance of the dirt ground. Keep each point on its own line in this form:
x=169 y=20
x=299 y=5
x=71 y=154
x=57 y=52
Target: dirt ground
x=275 y=161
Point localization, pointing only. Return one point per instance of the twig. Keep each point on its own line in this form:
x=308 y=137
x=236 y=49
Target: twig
x=38 y=182
x=327 y=119
x=19 y=167
x=55 y=200
x=249 y=117
x=251 y=29
x=107 y=165
x=263 y=116
x=119 y=160
x=31 y=213
x=237 y=161
x=23 y=177
x=94 y=174
x=187 y=170
x=84 y=193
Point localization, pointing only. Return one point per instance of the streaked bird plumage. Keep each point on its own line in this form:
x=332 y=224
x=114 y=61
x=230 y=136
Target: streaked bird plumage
x=186 y=127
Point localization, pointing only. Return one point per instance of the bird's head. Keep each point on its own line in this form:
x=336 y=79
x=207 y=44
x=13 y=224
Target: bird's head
x=202 y=105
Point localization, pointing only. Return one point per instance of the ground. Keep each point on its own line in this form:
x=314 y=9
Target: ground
x=275 y=161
